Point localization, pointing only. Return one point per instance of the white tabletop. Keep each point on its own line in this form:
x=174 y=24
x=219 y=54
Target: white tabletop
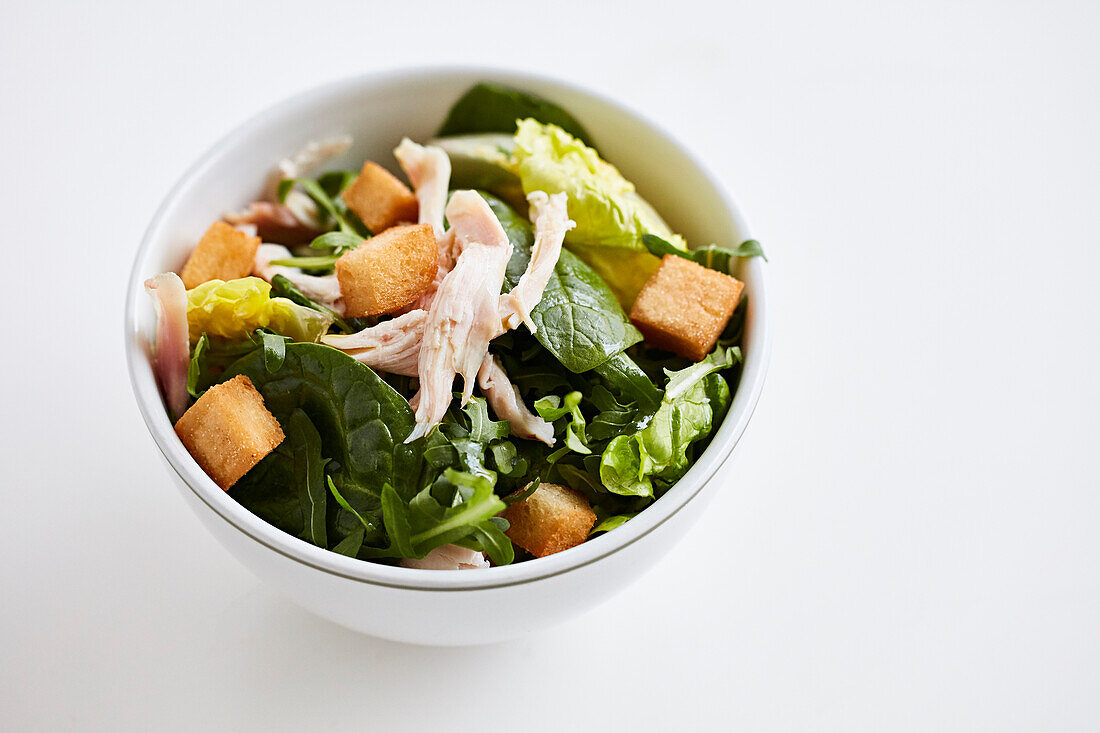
x=909 y=540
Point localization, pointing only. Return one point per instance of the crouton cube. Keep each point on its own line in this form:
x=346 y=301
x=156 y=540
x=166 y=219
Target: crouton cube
x=228 y=430
x=684 y=306
x=223 y=253
x=379 y=199
x=552 y=519
x=388 y=271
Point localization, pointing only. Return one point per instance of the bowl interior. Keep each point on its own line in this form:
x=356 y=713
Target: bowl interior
x=377 y=111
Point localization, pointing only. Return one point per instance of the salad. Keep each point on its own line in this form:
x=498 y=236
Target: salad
x=495 y=361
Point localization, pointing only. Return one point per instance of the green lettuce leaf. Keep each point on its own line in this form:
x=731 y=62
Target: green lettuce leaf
x=611 y=218
x=694 y=399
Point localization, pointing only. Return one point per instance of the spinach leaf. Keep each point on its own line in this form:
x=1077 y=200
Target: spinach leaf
x=578 y=320
x=362 y=423
x=309 y=476
x=490 y=107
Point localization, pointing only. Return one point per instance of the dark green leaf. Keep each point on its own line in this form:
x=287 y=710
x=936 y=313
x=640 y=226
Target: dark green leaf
x=350 y=545
x=274 y=350
x=494 y=543
x=395 y=513
x=624 y=376
x=490 y=107
x=336 y=243
x=711 y=256
x=309 y=466
x=578 y=319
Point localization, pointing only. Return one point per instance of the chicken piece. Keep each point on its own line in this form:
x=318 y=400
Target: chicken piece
x=504 y=398
x=322 y=289
x=552 y=519
x=171 y=348
x=448 y=557
x=229 y=430
x=391 y=346
x=273 y=223
x=429 y=170
x=551 y=223
x=304 y=163
x=465 y=315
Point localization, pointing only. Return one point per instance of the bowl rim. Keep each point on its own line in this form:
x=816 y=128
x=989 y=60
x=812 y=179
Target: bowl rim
x=236 y=516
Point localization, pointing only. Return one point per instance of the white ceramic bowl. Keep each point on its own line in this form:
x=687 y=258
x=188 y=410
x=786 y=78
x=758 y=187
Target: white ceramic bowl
x=426 y=606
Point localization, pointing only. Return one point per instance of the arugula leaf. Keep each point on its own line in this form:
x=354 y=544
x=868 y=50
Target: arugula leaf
x=333 y=183
x=611 y=523
x=711 y=256
x=695 y=399
x=282 y=287
x=308 y=263
x=331 y=205
x=484 y=429
x=628 y=379
x=681 y=381
x=344 y=503
x=337 y=243
x=350 y=545
x=212 y=355
x=417 y=528
x=552 y=408
x=196 y=366
x=395 y=513
x=491 y=107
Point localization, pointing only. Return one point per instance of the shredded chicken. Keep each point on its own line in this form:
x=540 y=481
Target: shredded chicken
x=504 y=398
x=273 y=222
x=171 y=349
x=323 y=289
x=465 y=315
x=551 y=223
x=303 y=163
x=391 y=346
x=429 y=170
x=448 y=557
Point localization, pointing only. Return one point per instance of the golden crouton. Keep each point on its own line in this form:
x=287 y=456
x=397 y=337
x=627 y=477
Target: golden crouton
x=223 y=253
x=228 y=430
x=684 y=307
x=388 y=271
x=379 y=199
x=552 y=519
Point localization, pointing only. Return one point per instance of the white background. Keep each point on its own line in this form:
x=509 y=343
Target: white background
x=909 y=538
